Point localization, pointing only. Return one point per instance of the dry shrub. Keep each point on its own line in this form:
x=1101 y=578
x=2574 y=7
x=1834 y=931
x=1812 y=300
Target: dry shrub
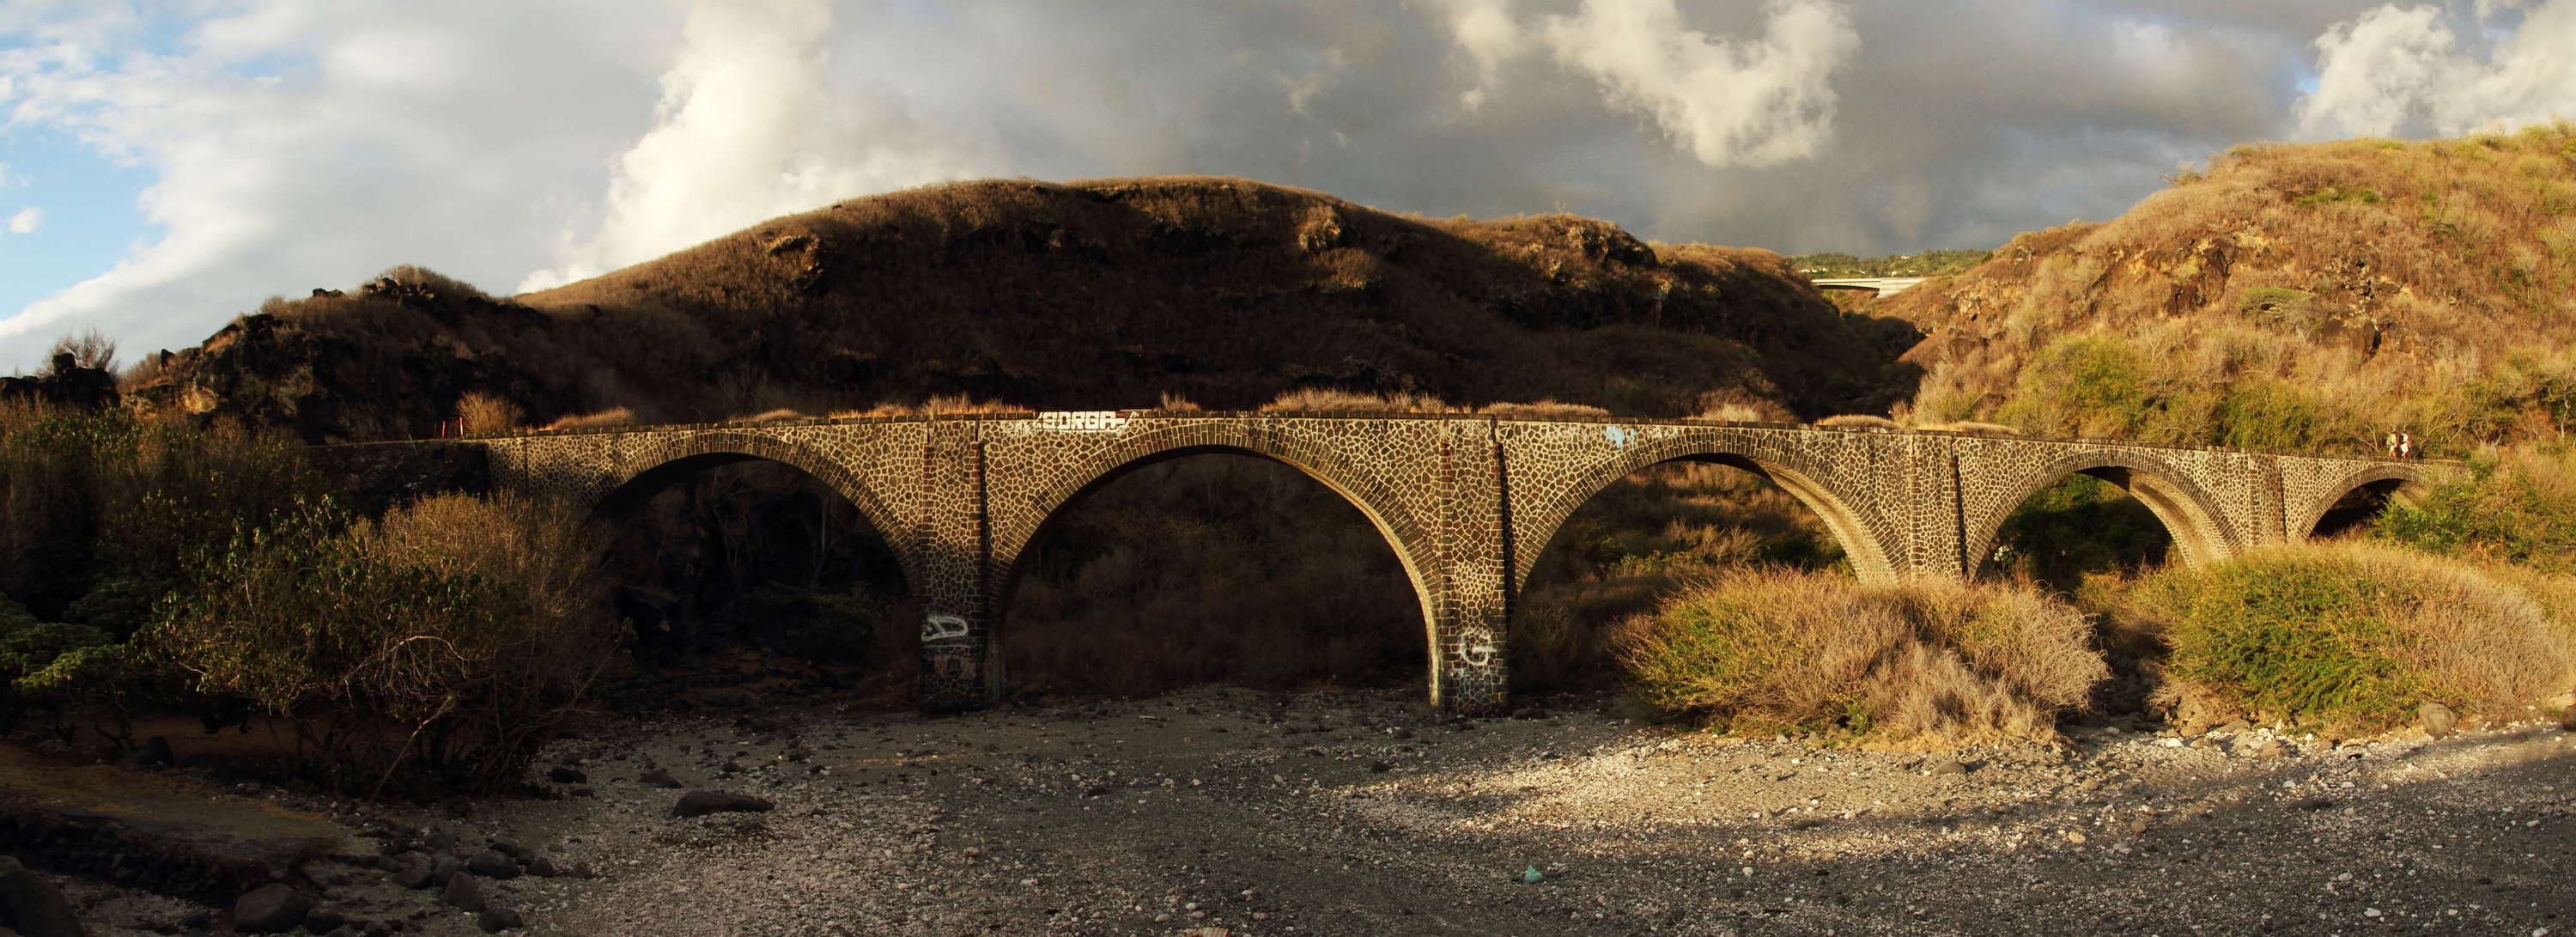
x=2351 y=636
x=406 y=278
x=445 y=641
x=1733 y=413
x=89 y=348
x=618 y=416
x=1633 y=544
x=1329 y=400
x=942 y=405
x=1859 y=420
x=488 y=415
x=1545 y=409
x=1934 y=663
x=1973 y=428
x=1175 y=403
x=1737 y=407
x=780 y=415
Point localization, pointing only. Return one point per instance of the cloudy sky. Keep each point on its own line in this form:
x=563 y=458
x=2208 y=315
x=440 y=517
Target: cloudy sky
x=164 y=166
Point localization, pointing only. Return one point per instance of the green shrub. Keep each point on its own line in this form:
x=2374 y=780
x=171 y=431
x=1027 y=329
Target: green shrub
x=1935 y=662
x=2348 y=637
x=2515 y=507
x=2332 y=194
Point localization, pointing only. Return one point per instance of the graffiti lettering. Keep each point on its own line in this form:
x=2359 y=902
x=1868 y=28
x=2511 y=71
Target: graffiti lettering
x=1476 y=649
x=1619 y=436
x=943 y=627
x=1082 y=421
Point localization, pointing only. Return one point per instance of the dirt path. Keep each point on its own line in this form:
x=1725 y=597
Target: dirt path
x=1362 y=814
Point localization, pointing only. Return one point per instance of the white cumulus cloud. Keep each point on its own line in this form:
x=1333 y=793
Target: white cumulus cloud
x=2409 y=69
x=26 y=220
x=749 y=129
x=1727 y=101
x=1730 y=102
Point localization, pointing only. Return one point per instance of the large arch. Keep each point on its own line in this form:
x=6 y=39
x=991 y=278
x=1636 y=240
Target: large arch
x=1411 y=542
x=1872 y=555
x=2191 y=516
x=665 y=459
x=2407 y=484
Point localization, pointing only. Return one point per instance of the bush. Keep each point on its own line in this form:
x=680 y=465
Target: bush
x=1329 y=400
x=2348 y=637
x=1633 y=544
x=1763 y=650
x=2515 y=506
x=97 y=507
x=487 y=415
x=447 y=638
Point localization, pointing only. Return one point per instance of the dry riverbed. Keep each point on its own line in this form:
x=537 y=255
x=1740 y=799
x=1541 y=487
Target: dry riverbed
x=1353 y=813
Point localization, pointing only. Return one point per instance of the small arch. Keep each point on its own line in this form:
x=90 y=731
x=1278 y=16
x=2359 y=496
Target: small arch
x=1153 y=448
x=1871 y=557
x=666 y=461
x=2190 y=516
x=2359 y=498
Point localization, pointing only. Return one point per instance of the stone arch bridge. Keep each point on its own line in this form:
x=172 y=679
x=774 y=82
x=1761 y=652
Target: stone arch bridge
x=1466 y=501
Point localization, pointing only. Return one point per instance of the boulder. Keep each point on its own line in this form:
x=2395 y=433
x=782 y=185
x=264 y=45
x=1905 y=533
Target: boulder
x=274 y=908
x=658 y=778
x=324 y=920
x=462 y=893
x=32 y=906
x=411 y=870
x=496 y=919
x=490 y=863
x=2438 y=720
x=701 y=803
x=564 y=775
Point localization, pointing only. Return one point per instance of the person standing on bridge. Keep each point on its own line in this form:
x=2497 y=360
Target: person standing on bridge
x=2391 y=443
x=2405 y=445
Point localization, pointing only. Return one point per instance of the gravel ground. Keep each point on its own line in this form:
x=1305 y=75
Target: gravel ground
x=1349 y=813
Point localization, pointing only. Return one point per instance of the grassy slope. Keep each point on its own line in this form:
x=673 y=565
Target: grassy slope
x=2307 y=296
x=1081 y=295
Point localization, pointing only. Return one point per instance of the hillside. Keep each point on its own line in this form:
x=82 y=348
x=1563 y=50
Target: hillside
x=2310 y=296
x=1084 y=295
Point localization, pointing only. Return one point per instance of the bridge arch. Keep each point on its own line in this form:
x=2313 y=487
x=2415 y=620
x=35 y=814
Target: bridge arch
x=2399 y=482
x=1411 y=542
x=2191 y=516
x=662 y=460
x=1871 y=550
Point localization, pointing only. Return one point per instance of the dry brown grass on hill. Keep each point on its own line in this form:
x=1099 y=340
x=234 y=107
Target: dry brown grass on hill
x=1083 y=296
x=2294 y=296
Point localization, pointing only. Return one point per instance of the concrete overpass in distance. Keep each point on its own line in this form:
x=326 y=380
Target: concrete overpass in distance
x=1881 y=286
